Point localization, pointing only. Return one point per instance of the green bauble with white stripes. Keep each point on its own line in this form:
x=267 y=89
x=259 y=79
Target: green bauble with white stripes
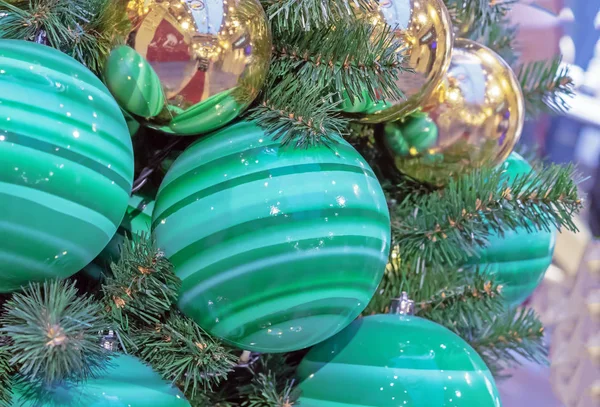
x=66 y=164
x=133 y=82
x=278 y=248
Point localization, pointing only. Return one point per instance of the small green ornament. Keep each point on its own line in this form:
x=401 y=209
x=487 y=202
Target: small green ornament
x=66 y=164
x=520 y=258
x=411 y=136
x=133 y=82
x=278 y=247
x=395 y=360
x=127 y=383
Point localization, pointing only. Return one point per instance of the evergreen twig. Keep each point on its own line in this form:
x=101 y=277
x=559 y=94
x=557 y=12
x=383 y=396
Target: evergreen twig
x=546 y=85
x=272 y=383
x=143 y=285
x=475 y=17
x=5 y=375
x=446 y=226
x=310 y=14
x=353 y=57
x=85 y=29
x=514 y=333
x=184 y=354
x=54 y=334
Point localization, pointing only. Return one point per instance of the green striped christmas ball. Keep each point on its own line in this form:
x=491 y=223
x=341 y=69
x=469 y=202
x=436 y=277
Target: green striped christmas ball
x=395 y=360
x=133 y=82
x=127 y=383
x=519 y=258
x=278 y=248
x=67 y=164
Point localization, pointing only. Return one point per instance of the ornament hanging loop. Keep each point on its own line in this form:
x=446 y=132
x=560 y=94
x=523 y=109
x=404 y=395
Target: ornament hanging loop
x=402 y=305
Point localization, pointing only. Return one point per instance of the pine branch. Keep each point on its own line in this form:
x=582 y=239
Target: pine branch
x=516 y=332
x=5 y=376
x=85 y=29
x=143 y=286
x=501 y=38
x=310 y=14
x=184 y=354
x=272 y=383
x=476 y=16
x=353 y=57
x=297 y=114
x=445 y=227
x=546 y=85
x=53 y=334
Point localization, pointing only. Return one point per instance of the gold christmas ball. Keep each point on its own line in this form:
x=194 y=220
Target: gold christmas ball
x=425 y=28
x=190 y=66
x=477 y=111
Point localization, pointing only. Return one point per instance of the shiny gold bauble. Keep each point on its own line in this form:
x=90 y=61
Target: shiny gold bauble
x=425 y=29
x=478 y=110
x=190 y=66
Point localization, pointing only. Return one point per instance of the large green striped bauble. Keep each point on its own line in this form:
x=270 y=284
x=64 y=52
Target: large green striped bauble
x=278 y=248
x=395 y=360
x=520 y=257
x=66 y=165
x=127 y=383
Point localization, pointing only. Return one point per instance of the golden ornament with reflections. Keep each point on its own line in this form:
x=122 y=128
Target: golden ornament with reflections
x=478 y=110
x=191 y=66
x=425 y=28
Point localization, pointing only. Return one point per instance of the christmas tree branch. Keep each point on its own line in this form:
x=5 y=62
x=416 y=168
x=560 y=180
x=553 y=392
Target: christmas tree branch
x=501 y=38
x=310 y=14
x=143 y=285
x=5 y=375
x=516 y=332
x=473 y=17
x=272 y=383
x=445 y=226
x=546 y=85
x=53 y=334
x=184 y=354
x=297 y=113
x=353 y=57
x=85 y=29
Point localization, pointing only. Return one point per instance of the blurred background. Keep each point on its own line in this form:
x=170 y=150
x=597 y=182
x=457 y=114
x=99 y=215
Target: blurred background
x=569 y=298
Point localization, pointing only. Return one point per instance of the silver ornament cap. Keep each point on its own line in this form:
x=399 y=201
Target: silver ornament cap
x=402 y=305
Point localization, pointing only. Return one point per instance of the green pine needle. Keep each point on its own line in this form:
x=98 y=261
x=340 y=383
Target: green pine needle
x=272 y=383
x=53 y=334
x=510 y=334
x=347 y=58
x=5 y=375
x=445 y=226
x=85 y=29
x=477 y=15
x=143 y=286
x=310 y=14
x=184 y=354
x=546 y=86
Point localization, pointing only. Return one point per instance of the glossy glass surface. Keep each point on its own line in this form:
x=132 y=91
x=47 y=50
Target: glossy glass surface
x=395 y=360
x=127 y=383
x=425 y=28
x=192 y=66
x=479 y=112
x=66 y=164
x=278 y=248
x=520 y=258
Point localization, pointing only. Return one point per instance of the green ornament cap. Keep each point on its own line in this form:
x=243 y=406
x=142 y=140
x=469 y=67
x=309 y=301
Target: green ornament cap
x=395 y=360
x=411 y=136
x=126 y=383
x=133 y=82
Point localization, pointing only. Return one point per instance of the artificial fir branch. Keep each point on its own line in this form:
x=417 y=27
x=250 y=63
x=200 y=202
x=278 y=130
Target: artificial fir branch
x=513 y=333
x=5 y=375
x=310 y=14
x=445 y=227
x=272 y=383
x=546 y=85
x=474 y=17
x=53 y=334
x=143 y=285
x=501 y=38
x=353 y=57
x=85 y=29
x=184 y=354
x=296 y=113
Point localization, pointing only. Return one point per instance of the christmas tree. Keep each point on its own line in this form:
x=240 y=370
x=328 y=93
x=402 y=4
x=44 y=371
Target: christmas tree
x=270 y=203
